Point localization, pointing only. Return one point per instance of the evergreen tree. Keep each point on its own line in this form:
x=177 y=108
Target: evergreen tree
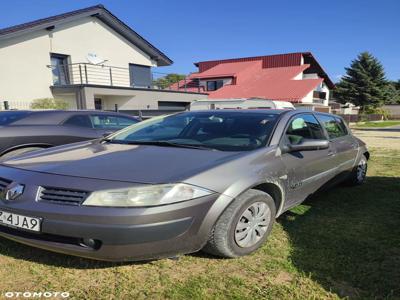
x=364 y=84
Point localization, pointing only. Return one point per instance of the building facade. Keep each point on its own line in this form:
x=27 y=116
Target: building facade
x=294 y=77
x=88 y=58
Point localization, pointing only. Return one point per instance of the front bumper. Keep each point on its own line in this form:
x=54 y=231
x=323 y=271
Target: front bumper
x=121 y=234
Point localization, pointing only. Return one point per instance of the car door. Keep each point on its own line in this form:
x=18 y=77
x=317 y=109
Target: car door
x=345 y=144
x=306 y=171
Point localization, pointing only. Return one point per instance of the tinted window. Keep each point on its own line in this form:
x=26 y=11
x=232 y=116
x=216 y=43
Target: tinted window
x=111 y=122
x=9 y=117
x=332 y=126
x=214 y=85
x=342 y=125
x=304 y=127
x=80 y=121
x=233 y=131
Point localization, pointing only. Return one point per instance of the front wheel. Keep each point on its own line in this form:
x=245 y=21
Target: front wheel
x=244 y=226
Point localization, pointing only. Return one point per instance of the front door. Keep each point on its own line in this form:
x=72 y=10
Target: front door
x=98 y=104
x=306 y=171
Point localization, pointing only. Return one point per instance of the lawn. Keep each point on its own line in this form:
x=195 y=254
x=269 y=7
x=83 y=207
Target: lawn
x=380 y=124
x=342 y=243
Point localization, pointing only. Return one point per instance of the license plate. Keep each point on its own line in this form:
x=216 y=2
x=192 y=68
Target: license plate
x=19 y=221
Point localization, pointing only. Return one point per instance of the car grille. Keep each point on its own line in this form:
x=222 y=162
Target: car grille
x=62 y=196
x=4 y=183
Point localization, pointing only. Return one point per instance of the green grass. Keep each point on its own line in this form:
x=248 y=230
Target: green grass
x=380 y=124
x=342 y=243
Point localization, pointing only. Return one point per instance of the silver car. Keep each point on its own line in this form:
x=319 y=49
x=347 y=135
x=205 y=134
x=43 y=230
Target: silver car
x=211 y=180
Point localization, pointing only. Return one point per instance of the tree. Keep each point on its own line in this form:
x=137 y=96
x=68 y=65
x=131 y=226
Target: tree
x=168 y=80
x=364 y=84
x=49 y=103
x=394 y=90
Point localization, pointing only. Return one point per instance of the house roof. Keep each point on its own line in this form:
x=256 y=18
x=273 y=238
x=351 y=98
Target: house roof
x=271 y=83
x=98 y=11
x=274 y=61
x=251 y=80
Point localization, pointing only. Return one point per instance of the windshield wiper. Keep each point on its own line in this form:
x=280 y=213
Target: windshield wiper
x=159 y=143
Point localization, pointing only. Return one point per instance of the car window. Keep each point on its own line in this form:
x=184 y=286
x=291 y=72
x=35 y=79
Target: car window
x=79 y=121
x=9 y=117
x=332 y=126
x=111 y=122
x=304 y=127
x=342 y=125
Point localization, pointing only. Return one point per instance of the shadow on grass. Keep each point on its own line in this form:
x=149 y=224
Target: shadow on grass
x=348 y=239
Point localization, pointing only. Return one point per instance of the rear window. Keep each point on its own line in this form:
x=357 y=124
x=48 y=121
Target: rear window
x=79 y=121
x=8 y=117
x=111 y=122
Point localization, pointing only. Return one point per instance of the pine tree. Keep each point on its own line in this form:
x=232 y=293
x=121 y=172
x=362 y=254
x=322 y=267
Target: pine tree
x=364 y=84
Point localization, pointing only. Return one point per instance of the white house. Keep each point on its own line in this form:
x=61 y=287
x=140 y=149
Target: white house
x=89 y=58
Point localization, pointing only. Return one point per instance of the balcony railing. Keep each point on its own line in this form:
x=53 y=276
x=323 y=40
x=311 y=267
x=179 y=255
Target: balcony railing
x=85 y=73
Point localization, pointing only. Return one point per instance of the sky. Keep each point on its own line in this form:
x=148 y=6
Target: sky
x=190 y=31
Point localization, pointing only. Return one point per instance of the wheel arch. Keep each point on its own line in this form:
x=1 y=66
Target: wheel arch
x=274 y=191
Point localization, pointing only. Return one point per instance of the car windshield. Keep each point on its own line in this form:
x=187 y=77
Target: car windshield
x=8 y=117
x=224 y=131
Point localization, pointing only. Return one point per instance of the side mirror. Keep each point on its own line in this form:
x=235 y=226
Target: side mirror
x=306 y=145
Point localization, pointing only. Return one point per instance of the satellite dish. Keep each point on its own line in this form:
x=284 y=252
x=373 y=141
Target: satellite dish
x=94 y=59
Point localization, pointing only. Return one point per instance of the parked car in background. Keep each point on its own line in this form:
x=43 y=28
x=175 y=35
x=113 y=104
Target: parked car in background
x=211 y=180
x=242 y=103
x=25 y=131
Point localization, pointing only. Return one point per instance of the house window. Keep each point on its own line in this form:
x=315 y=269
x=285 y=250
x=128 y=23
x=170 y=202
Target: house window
x=59 y=67
x=214 y=85
x=140 y=76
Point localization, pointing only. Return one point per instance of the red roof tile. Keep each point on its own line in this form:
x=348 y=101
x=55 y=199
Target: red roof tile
x=269 y=77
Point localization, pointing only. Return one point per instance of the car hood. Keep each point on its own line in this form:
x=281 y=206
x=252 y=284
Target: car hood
x=130 y=163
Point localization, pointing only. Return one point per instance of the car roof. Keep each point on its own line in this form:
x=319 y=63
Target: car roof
x=244 y=111
x=55 y=117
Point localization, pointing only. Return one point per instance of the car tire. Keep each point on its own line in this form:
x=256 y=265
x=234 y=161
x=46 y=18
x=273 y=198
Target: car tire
x=229 y=239
x=20 y=151
x=359 y=173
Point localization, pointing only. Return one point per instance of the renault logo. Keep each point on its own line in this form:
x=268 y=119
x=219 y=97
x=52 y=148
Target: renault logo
x=12 y=191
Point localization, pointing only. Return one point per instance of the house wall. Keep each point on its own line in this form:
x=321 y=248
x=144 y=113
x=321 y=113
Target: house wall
x=135 y=99
x=24 y=74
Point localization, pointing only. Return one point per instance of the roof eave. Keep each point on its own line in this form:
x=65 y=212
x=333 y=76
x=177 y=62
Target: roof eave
x=102 y=14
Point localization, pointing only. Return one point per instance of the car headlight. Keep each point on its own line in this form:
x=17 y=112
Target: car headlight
x=148 y=195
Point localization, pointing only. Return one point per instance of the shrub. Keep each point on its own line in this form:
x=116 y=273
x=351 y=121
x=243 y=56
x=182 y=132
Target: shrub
x=49 y=103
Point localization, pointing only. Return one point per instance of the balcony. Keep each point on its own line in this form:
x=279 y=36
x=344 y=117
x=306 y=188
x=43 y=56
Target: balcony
x=109 y=76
